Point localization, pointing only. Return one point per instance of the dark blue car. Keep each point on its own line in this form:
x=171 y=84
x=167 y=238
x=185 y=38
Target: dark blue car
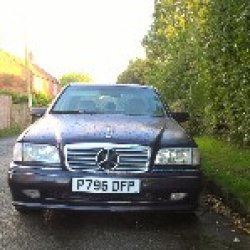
x=106 y=147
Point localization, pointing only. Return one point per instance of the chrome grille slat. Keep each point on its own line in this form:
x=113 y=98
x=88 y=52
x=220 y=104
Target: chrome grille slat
x=79 y=167
x=83 y=162
x=130 y=169
x=82 y=156
x=137 y=166
x=131 y=160
x=133 y=155
x=131 y=151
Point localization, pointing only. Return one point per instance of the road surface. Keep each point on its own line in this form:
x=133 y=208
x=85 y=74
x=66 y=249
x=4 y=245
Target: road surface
x=61 y=230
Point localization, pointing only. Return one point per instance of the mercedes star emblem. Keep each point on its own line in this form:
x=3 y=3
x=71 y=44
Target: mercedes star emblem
x=107 y=159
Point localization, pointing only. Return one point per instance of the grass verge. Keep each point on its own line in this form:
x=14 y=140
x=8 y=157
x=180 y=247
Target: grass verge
x=15 y=130
x=228 y=166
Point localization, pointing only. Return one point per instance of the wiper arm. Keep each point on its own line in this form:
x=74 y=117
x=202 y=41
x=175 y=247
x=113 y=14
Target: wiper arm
x=131 y=114
x=65 y=112
x=74 y=112
x=154 y=115
x=160 y=115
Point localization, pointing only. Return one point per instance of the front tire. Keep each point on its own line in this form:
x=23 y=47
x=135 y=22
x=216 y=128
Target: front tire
x=26 y=210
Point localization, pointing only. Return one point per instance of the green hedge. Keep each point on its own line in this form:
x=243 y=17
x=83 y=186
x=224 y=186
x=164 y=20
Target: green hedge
x=16 y=97
x=198 y=55
x=38 y=100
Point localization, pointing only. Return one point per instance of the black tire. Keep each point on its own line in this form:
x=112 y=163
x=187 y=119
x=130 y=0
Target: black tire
x=26 y=210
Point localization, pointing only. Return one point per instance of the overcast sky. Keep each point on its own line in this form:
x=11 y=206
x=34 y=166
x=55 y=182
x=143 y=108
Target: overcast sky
x=94 y=36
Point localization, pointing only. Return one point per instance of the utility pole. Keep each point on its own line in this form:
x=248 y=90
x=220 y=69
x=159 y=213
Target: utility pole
x=28 y=74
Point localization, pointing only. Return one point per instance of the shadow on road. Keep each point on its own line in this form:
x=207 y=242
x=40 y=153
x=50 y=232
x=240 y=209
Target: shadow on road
x=103 y=230
x=143 y=220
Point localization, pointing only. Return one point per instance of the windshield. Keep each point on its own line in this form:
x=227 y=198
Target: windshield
x=109 y=100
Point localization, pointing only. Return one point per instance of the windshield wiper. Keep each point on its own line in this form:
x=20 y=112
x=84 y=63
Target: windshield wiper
x=131 y=114
x=151 y=115
x=74 y=112
x=65 y=112
x=158 y=115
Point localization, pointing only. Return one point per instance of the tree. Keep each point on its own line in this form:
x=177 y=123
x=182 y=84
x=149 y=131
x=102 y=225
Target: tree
x=134 y=73
x=75 y=77
x=198 y=56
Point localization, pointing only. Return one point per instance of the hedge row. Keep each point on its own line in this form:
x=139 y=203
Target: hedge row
x=199 y=53
x=37 y=99
x=16 y=97
x=198 y=56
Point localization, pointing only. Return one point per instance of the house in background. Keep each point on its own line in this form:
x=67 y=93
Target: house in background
x=43 y=82
x=14 y=76
x=12 y=73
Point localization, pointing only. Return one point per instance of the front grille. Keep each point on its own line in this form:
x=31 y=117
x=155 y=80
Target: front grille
x=83 y=156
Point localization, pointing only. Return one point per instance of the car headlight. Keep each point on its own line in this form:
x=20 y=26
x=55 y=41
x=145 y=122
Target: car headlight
x=17 y=152
x=178 y=156
x=43 y=153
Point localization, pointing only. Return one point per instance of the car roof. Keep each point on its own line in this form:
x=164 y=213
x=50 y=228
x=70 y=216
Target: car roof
x=130 y=85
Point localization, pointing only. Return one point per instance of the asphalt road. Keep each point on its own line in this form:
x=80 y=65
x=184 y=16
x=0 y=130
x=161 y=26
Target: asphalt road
x=60 y=230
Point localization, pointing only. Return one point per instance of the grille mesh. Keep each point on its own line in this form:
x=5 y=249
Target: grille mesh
x=82 y=156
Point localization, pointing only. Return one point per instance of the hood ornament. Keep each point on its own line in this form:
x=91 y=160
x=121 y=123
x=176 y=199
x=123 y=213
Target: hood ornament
x=109 y=132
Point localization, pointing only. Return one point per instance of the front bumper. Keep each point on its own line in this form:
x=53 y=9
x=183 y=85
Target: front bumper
x=55 y=188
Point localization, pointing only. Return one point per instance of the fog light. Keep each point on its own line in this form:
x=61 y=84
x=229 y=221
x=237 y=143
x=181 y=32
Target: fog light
x=177 y=196
x=32 y=193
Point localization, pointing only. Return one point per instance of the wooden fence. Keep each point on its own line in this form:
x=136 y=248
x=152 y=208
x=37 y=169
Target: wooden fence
x=13 y=114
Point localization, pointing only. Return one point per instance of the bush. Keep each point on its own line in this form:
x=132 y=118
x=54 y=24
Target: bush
x=198 y=53
x=40 y=100
x=16 y=97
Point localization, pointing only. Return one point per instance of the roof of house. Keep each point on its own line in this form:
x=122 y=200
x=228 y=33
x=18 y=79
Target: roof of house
x=44 y=73
x=11 y=64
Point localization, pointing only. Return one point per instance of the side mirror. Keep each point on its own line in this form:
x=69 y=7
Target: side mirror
x=37 y=112
x=180 y=116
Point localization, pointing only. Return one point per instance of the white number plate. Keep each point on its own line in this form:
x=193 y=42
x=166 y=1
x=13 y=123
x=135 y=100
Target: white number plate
x=105 y=185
